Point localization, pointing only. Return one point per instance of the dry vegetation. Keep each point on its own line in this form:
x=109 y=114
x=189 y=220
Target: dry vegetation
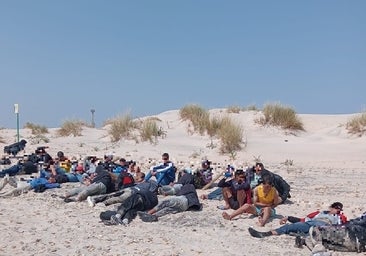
x=357 y=125
x=36 y=129
x=71 y=127
x=149 y=130
x=223 y=128
x=2 y=140
x=121 y=127
x=278 y=115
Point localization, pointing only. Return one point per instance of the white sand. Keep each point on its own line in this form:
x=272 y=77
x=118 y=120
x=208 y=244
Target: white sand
x=328 y=165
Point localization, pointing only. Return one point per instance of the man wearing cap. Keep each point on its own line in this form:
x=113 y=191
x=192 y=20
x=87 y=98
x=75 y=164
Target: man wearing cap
x=333 y=216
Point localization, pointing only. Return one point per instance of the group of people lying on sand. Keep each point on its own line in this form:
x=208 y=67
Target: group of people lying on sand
x=254 y=191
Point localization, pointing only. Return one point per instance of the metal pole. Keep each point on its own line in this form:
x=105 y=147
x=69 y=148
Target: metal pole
x=16 y=110
x=17 y=127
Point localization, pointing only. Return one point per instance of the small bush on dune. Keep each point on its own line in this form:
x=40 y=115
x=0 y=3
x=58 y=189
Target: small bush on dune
x=278 y=115
x=71 y=127
x=149 y=130
x=234 y=109
x=121 y=127
x=231 y=136
x=36 y=129
x=357 y=125
x=198 y=116
x=2 y=140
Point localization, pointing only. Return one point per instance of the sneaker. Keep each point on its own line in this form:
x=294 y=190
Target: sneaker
x=91 y=201
x=257 y=234
x=116 y=220
x=299 y=242
x=146 y=217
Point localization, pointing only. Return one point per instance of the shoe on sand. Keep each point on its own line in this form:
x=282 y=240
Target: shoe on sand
x=146 y=217
x=90 y=200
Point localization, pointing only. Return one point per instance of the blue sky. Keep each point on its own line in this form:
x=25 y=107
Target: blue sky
x=60 y=59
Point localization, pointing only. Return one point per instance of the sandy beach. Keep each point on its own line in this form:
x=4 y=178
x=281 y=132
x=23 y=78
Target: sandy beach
x=322 y=164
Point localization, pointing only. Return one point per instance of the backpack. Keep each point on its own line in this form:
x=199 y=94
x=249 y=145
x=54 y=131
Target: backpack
x=125 y=180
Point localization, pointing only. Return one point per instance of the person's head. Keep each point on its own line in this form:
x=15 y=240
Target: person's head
x=165 y=157
x=140 y=176
x=267 y=181
x=205 y=164
x=122 y=161
x=258 y=167
x=239 y=176
x=336 y=207
x=60 y=154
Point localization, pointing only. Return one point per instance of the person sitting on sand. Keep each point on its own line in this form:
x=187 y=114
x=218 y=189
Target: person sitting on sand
x=163 y=172
x=265 y=199
x=125 y=192
x=333 y=216
x=254 y=173
x=186 y=199
x=99 y=183
x=204 y=175
x=235 y=191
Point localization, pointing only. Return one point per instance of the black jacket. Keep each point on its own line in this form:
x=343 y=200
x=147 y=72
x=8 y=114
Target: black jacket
x=104 y=177
x=189 y=191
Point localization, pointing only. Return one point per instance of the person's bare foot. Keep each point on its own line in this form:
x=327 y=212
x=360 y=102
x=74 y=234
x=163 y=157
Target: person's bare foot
x=204 y=196
x=261 y=222
x=226 y=216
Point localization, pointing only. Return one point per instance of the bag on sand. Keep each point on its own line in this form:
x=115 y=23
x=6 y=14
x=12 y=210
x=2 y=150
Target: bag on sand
x=337 y=238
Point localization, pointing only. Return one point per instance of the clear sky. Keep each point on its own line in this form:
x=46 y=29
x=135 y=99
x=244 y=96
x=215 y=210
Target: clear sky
x=60 y=59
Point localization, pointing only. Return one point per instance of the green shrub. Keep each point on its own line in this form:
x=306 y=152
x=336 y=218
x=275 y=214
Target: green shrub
x=36 y=129
x=278 y=115
x=357 y=125
x=198 y=116
x=71 y=127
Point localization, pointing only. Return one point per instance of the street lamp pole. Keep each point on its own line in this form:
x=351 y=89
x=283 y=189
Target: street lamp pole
x=16 y=111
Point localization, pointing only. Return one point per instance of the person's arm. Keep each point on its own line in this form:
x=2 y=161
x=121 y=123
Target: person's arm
x=163 y=168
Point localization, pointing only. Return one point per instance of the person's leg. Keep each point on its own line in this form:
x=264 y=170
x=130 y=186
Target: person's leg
x=74 y=191
x=240 y=195
x=92 y=189
x=12 y=171
x=215 y=195
x=246 y=208
x=4 y=181
x=148 y=176
x=267 y=212
x=127 y=192
x=169 y=205
x=17 y=191
x=161 y=178
x=226 y=193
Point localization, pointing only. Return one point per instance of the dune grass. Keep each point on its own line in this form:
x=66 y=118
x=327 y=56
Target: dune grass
x=197 y=115
x=121 y=127
x=2 y=140
x=149 y=130
x=71 y=127
x=280 y=116
x=357 y=125
x=229 y=133
x=36 y=129
x=231 y=137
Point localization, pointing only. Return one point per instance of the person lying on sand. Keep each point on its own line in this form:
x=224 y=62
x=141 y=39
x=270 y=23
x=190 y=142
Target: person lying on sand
x=333 y=216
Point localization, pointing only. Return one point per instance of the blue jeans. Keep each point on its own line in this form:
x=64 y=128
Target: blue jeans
x=215 y=195
x=299 y=227
x=12 y=171
x=162 y=178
